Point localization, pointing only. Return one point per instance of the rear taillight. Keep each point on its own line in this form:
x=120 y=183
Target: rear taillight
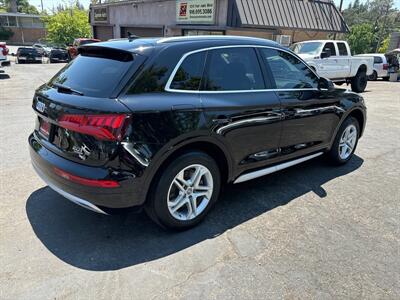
x=385 y=66
x=86 y=181
x=4 y=49
x=102 y=127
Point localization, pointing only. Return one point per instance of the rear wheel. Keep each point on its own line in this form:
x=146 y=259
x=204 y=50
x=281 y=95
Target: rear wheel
x=185 y=191
x=386 y=78
x=345 y=142
x=373 y=76
x=359 y=82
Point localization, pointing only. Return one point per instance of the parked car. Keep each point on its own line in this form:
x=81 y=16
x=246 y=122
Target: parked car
x=58 y=55
x=4 y=62
x=28 y=55
x=332 y=59
x=381 y=66
x=164 y=123
x=73 y=49
x=43 y=49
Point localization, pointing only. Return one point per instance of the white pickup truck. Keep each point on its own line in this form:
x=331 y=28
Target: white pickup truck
x=3 y=55
x=332 y=59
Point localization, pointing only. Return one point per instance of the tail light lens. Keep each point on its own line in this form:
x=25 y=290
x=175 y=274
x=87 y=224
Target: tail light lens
x=385 y=66
x=102 y=127
x=4 y=49
x=86 y=181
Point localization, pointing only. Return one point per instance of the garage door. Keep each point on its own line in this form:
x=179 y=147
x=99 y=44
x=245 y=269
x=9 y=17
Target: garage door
x=142 y=31
x=103 y=33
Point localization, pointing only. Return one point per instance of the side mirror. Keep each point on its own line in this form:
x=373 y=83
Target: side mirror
x=325 y=84
x=326 y=53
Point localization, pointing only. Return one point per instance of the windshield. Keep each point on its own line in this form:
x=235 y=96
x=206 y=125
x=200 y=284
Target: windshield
x=307 y=48
x=94 y=75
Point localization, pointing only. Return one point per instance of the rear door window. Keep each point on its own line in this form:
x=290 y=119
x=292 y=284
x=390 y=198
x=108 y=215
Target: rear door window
x=95 y=74
x=378 y=60
x=188 y=76
x=342 y=49
x=232 y=69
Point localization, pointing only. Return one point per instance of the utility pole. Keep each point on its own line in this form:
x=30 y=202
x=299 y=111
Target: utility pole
x=340 y=11
x=41 y=3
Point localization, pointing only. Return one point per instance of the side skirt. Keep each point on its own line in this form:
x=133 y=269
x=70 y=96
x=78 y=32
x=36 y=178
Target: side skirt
x=269 y=170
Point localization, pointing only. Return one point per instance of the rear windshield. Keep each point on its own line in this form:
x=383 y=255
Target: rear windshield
x=94 y=74
x=28 y=51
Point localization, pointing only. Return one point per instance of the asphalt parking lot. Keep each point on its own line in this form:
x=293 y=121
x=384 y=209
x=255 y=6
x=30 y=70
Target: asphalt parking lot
x=309 y=232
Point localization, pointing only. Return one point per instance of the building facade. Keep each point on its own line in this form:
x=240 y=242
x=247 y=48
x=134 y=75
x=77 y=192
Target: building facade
x=27 y=29
x=286 y=21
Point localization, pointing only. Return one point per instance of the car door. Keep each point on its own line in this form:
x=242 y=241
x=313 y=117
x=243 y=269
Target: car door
x=241 y=112
x=328 y=67
x=310 y=115
x=343 y=60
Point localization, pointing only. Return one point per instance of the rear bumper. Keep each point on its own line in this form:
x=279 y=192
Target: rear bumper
x=128 y=194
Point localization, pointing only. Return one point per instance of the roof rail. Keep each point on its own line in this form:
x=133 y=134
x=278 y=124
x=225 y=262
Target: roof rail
x=205 y=37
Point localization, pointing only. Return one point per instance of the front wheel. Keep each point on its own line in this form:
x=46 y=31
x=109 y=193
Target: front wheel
x=185 y=191
x=359 y=82
x=345 y=142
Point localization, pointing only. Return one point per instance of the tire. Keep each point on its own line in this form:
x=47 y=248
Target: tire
x=337 y=153
x=359 y=82
x=373 y=76
x=169 y=188
x=385 y=78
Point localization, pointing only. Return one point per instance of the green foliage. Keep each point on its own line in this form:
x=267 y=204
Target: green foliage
x=385 y=45
x=380 y=16
x=360 y=38
x=5 y=33
x=66 y=25
x=23 y=6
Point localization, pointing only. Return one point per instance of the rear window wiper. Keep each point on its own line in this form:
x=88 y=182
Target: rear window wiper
x=66 y=89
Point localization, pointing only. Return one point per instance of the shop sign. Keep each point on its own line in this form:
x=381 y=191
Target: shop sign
x=195 y=11
x=100 y=14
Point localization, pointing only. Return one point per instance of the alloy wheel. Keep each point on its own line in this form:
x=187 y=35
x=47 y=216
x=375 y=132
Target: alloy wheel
x=190 y=192
x=347 y=141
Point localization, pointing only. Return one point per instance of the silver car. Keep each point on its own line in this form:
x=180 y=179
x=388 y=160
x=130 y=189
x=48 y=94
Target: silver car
x=381 y=66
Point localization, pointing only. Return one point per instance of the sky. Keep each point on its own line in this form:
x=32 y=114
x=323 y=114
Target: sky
x=48 y=4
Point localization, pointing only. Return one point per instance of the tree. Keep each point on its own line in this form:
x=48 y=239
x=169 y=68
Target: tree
x=23 y=6
x=66 y=25
x=360 y=38
x=380 y=15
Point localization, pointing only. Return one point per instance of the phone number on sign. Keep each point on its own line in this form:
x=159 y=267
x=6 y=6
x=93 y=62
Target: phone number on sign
x=200 y=11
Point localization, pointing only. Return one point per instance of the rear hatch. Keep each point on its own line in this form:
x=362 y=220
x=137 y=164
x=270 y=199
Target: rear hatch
x=79 y=116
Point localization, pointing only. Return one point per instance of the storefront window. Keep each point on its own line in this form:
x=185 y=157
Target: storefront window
x=12 y=21
x=3 y=21
x=202 y=32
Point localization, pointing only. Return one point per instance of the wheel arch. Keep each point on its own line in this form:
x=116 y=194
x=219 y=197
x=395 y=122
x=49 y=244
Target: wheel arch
x=362 y=68
x=356 y=113
x=359 y=116
x=205 y=144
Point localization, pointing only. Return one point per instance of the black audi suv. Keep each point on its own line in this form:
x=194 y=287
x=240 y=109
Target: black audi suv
x=163 y=123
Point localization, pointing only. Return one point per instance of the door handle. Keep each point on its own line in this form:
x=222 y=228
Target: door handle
x=222 y=120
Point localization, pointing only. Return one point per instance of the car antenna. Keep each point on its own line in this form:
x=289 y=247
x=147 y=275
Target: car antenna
x=132 y=36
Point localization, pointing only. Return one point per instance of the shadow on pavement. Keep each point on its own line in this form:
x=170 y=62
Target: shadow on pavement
x=96 y=242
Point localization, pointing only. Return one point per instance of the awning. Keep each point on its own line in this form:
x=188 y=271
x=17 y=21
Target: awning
x=311 y=15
